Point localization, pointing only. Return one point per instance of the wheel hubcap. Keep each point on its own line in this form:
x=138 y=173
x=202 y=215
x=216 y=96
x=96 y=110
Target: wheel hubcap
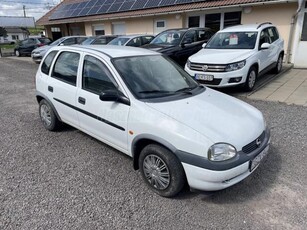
x=45 y=115
x=251 y=79
x=156 y=172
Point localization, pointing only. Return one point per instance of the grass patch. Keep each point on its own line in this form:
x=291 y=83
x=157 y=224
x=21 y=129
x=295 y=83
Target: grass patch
x=7 y=46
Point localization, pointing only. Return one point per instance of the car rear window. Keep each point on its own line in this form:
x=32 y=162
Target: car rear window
x=47 y=62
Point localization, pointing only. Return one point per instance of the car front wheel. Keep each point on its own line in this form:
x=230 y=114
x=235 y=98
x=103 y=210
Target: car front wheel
x=161 y=170
x=278 y=66
x=251 y=79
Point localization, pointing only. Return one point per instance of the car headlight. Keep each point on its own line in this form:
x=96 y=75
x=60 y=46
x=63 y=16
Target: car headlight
x=235 y=66
x=221 y=152
x=188 y=64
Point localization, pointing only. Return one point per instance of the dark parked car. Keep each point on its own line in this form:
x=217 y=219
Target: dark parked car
x=179 y=44
x=99 y=40
x=25 y=47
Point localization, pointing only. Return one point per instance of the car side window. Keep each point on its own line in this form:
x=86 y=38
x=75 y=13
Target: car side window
x=66 y=67
x=190 y=37
x=95 y=76
x=69 y=41
x=264 y=37
x=273 y=34
x=101 y=41
x=203 y=35
x=146 y=39
x=47 y=62
x=81 y=39
x=136 y=42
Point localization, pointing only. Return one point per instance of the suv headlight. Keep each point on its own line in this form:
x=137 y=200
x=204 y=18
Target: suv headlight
x=189 y=64
x=221 y=152
x=235 y=66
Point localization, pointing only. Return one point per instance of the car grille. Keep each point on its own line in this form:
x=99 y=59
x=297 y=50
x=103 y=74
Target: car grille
x=214 y=82
x=207 y=67
x=253 y=145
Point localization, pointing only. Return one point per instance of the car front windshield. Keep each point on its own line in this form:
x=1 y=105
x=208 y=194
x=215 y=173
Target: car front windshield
x=153 y=76
x=171 y=37
x=118 y=41
x=233 y=40
x=57 y=42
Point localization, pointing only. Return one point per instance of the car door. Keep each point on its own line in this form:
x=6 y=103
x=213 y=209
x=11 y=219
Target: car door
x=106 y=120
x=62 y=86
x=30 y=45
x=187 y=47
x=276 y=43
x=265 y=55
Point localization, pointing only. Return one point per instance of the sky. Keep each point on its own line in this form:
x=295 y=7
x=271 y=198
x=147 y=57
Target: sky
x=33 y=8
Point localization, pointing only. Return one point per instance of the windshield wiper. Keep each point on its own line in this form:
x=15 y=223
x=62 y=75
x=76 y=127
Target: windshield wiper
x=154 y=91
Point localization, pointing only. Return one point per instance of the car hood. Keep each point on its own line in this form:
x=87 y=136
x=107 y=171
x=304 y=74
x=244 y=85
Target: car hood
x=158 y=47
x=220 y=56
x=217 y=116
x=42 y=49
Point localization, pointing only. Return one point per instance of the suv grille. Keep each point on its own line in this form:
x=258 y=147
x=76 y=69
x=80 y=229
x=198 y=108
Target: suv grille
x=207 y=67
x=253 y=145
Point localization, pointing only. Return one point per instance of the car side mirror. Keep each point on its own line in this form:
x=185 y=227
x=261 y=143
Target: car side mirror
x=265 y=46
x=114 y=95
x=204 y=45
x=186 y=42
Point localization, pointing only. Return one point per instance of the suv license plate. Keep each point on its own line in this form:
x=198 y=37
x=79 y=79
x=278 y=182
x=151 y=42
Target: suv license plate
x=256 y=161
x=204 y=77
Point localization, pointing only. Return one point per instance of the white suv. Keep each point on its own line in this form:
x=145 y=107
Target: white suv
x=147 y=107
x=237 y=56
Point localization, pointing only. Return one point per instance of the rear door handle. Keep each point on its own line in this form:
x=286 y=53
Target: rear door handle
x=50 y=89
x=81 y=100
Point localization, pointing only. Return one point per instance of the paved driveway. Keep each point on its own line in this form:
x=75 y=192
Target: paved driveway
x=68 y=180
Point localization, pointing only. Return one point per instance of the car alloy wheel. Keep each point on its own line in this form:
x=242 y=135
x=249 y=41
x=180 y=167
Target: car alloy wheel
x=17 y=53
x=45 y=115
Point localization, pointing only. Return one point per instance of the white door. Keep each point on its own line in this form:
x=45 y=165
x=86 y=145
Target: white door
x=106 y=120
x=301 y=50
x=62 y=86
x=265 y=54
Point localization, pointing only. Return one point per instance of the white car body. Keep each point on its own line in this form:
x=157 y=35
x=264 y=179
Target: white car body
x=187 y=127
x=210 y=62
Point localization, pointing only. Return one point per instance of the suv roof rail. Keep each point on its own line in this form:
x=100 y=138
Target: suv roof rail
x=261 y=24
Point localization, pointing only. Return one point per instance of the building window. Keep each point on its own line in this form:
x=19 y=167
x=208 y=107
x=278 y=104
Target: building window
x=232 y=19
x=304 y=30
x=98 y=30
x=55 y=29
x=194 y=21
x=160 y=24
x=15 y=37
x=213 y=21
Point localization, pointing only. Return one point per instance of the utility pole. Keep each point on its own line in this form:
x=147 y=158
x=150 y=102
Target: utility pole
x=24 y=10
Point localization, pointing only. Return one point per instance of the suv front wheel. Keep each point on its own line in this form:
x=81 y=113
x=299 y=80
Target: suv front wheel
x=251 y=79
x=278 y=66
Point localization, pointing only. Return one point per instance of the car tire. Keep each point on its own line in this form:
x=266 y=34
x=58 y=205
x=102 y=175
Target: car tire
x=251 y=79
x=161 y=170
x=278 y=66
x=17 y=53
x=48 y=117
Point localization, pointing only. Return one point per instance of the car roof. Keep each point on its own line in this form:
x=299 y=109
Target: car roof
x=247 y=27
x=112 y=51
x=134 y=36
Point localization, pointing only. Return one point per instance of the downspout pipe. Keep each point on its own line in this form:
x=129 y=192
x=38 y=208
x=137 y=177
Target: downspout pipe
x=292 y=25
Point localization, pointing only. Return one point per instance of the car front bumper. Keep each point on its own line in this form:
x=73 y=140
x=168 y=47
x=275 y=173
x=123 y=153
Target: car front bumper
x=36 y=57
x=204 y=178
x=221 y=79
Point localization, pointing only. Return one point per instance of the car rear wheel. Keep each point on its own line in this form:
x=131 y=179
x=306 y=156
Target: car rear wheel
x=17 y=53
x=48 y=117
x=161 y=170
x=278 y=66
x=250 y=79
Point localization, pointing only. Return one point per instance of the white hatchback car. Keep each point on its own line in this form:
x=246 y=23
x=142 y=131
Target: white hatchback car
x=237 y=55
x=147 y=107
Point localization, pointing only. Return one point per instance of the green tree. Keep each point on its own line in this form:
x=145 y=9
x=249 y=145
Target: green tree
x=3 y=32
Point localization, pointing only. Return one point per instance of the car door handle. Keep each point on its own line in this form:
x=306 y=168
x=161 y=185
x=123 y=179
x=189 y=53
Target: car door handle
x=81 y=100
x=50 y=89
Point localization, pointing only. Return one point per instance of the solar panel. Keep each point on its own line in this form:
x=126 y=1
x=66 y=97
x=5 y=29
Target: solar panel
x=94 y=7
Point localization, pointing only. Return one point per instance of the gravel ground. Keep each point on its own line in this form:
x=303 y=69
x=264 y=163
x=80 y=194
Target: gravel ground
x=68 y=180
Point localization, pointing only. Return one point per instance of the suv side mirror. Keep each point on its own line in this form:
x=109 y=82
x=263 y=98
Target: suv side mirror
x=114 y=95
x=204 y=45
x=186 y=41
x=265 y=46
